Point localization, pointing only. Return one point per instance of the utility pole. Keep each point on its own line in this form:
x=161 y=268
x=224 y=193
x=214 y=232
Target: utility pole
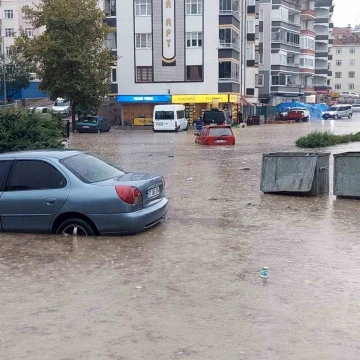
x=4 y=69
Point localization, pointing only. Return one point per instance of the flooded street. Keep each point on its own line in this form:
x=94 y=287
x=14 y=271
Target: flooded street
x=190 y=288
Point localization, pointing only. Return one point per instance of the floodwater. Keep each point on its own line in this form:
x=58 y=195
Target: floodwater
x=190 y=288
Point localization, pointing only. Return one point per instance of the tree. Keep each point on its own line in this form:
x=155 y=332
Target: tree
x=17 y=74
x=22 y=130
x=70 y=56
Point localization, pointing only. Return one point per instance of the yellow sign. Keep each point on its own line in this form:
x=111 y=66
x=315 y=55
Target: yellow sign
x=234 y=98
x=215 y=103
x=335 y=94
x=143 y=121
x=199 y=99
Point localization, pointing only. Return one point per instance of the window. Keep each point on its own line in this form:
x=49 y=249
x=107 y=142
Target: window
x=4 y=167
x=180 y=114
x=194 y=73
x=8 y=50
x=220 y=131
x=337 y=86
x=228 y=37
x=352 y=51
x=229 y=70
x=228 y=6
x=279 y=79
x=35 y=175
x=143 y=41
x=261 y=80
x=194 y=7
x=251 y=2
x=91 y=169
x=144 y=74
x=261 y=15
x=338 y=63
x=338 y=75
x=164 y=115
x=261 y=59
x=351 y=74
x=194 y=40
x=29 y=32
x=142 y=8
x=250 y=26
x=338 y=50
x=250 y=52
x=352 y=62
x=9 y=32
x=351 y=86
x=113 y=75
x=261 y=37
x=8 y=14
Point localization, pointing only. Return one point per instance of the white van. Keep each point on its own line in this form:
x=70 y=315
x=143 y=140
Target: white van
x=169 y=118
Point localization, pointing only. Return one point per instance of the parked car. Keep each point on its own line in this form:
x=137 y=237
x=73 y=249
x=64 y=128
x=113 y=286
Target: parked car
x=349 y=94
x=43 y=110
x=338 y=111
x=92 y=124
x=76 y=193
x=215 y=135
x=302 y=114
x=62 y=107
x=214 y=117
x=356 y=107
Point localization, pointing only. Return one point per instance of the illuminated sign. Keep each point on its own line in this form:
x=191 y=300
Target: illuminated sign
x=143 y=121
x=168 y=29
x=143 y=98
x=199 y=99
x=234 y=98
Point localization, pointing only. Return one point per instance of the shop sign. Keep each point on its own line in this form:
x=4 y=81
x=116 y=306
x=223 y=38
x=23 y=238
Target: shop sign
x=168 y=32
x=234 y=98
x=143 y=98
x=143 y=121
x=335 y=94
x=199 y=99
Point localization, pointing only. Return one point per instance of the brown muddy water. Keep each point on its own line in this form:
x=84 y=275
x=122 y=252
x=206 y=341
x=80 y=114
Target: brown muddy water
x=190 y=288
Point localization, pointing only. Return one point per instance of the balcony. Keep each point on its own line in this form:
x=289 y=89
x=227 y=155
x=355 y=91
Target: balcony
x=321 y=71
x=229 y=80
x=323 y=38
x=308 y=14
x=110 y=7
x=233 y=13
x=322 y=20
x=232 y=46
x=323 y=3
x=310 y=32
x=322 y=54
x=285 y=89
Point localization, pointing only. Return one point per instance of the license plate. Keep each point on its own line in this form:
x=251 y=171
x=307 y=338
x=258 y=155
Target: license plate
x=153 y=192
x=220 y=141
x=159 y=124
x=86 y=127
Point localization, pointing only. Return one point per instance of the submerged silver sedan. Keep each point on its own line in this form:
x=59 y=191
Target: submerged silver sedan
x=76 y=193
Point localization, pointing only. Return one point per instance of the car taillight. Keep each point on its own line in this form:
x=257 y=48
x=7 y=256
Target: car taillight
x=129 y=194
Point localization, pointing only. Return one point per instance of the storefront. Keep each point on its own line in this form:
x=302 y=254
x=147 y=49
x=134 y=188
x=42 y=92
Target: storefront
x=137 y=110
x=195 y=105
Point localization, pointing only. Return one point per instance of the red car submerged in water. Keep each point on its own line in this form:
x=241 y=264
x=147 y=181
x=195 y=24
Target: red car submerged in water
x=215 y=135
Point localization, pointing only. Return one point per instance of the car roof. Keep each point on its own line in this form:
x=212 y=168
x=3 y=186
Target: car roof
x=217 y=126
x=49 y=153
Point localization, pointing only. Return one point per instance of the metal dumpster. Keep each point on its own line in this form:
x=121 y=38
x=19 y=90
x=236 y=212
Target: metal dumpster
x=347 y=174
x=295 y=173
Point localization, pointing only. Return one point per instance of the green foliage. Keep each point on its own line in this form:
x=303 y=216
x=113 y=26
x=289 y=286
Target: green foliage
x=69 y=56
x=22 y=130
x=317 y=139
x=18 y=75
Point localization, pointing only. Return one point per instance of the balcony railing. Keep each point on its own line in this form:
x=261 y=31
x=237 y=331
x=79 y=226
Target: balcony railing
x=234 y=13
x=233 y=46
x=229 y=80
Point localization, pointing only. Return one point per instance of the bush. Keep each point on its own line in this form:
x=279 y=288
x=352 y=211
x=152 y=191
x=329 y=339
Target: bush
x=22 y=130
x=317 y=139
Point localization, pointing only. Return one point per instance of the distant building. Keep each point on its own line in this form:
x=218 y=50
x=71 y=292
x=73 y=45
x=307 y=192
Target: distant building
x=346 y=59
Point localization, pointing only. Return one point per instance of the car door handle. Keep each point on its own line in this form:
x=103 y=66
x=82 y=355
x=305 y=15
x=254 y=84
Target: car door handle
x=51 y=201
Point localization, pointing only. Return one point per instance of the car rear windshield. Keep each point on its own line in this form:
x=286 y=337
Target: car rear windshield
x=89 y=119
x=61 y=103
x=214 y=116
x=91 y=169
x=223 y=131
x=164 y=115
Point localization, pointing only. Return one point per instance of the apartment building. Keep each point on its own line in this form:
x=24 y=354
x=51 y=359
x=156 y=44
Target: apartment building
x=294 y=49
x=11 y=20
x=346 y=60
x=185 y=52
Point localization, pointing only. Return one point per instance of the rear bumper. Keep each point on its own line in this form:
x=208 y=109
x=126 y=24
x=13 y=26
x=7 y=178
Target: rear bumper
x=130 y=223
x=81 y=130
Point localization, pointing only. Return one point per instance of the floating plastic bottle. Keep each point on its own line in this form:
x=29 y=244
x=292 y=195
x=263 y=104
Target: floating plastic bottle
x=264 y=272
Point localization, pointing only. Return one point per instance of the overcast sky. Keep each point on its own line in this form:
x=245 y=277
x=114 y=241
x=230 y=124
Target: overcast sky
x=346 y=12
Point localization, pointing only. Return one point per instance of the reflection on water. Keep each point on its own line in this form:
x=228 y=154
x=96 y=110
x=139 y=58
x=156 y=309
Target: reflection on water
x=191 y=286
